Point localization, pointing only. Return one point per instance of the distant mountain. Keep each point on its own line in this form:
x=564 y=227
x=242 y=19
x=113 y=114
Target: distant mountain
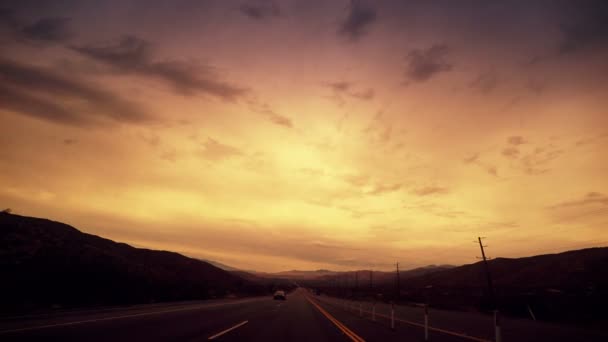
x=296 y=274
x=50 y=264
x=323 y=277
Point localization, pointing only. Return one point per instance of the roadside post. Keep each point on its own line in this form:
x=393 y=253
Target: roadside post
x=374 y=311
x=497 y=326
x=426 y=322
x=392 y=315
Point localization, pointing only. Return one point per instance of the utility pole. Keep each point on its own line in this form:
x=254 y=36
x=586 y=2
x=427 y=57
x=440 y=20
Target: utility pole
x=488 y=276
x=397 y=281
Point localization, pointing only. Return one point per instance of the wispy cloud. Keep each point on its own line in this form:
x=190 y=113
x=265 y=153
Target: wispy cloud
x=358 y=20
x=134 y=55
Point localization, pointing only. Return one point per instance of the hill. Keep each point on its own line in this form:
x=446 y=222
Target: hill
x=50 y=264
x=567 y=271
x=220 y=265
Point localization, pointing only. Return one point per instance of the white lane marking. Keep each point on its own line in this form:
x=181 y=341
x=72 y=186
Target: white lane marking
x=227 y=330
x=124 y=316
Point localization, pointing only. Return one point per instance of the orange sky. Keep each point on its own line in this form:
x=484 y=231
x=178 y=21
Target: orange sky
x=296 y=134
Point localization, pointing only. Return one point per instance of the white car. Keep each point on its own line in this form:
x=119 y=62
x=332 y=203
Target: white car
x=280 y=295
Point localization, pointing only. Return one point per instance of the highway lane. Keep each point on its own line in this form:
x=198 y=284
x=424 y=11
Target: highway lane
x=292 y=320
x=302 y=317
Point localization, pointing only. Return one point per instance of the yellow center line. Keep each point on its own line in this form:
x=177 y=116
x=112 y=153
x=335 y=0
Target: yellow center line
x=337 y=323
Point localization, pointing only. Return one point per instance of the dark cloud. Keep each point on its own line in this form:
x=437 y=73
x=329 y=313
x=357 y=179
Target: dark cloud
x=358 y=20
x=510 y=152
x=134 y=55
x=48 y=30
x=536 y=86
x=279 y=119
x=44 y=30
x=471 y=158
x=8 y=19
x=384 y=188
x=61 y=98
x=357 y=180
x=430 y=190
x=341 y=88
x=585 y=25
x=537 y=161
x=169 y=155
x=491 y=169
x=590 y=140
x=214 y=150
x=22 y=102
x=422 y=64
x=485 y=83
x=367 y=94
x=516 y=140
x=534 y=160
x=266 y=110
x=260 y=10
x=474 y=159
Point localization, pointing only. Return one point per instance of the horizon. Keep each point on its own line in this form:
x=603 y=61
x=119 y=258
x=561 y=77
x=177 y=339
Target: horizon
x=289 y=135
x=231 y=267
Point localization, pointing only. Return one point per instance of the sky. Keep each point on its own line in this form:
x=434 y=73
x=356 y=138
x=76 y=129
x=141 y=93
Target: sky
x=298 y=134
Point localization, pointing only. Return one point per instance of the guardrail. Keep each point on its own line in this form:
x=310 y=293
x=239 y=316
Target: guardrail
x=355 y=307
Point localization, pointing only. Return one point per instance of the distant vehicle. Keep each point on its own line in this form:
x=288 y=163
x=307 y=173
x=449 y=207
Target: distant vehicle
x=280 y=295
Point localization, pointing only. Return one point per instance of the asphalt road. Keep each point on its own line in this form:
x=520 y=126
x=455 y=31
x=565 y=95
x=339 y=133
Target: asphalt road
x=302 y=317
x=295 y=319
